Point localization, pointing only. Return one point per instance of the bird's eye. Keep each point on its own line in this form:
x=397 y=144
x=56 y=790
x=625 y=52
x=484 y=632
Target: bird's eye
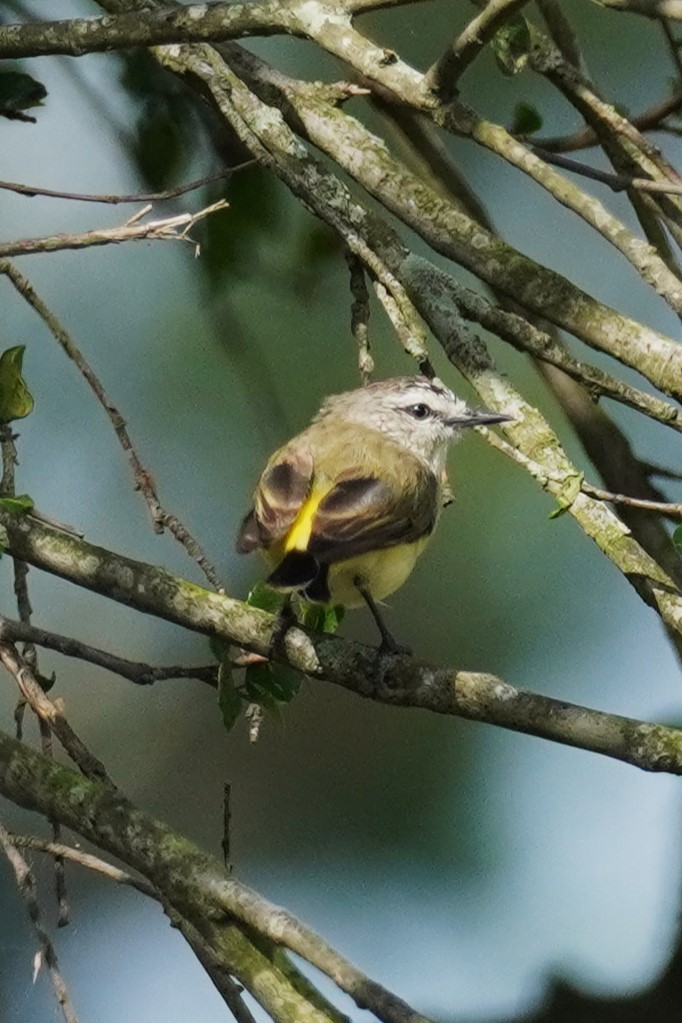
x=419 y=411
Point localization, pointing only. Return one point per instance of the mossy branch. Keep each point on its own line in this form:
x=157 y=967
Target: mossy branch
x=397 y=681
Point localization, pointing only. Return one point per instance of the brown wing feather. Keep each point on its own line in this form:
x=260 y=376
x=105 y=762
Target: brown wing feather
x=363 y=513
x=280 y=493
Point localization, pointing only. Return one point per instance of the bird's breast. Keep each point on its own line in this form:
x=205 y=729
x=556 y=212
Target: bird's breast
x=382 y=572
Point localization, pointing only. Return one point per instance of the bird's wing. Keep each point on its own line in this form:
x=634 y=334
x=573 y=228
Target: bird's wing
x=364 y=513
x=281 y=493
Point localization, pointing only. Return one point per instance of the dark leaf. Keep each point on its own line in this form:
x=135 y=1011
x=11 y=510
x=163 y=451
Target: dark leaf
x=677 y=538
x=271 y=684
x=511 y=44
x=265 y=598
x=322 y=619
x=526 y=120
x=16 y=400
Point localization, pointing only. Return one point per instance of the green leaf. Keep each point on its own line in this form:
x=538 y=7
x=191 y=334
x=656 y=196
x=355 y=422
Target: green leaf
x=16 y=401
x=570 y=489
x=677 y=539
x=19 y=505
x=265 y=598
x=526 y=120
x=322 y=619
x=511 y=45
x=18 y=92
x=271 y=684
x=229 y=700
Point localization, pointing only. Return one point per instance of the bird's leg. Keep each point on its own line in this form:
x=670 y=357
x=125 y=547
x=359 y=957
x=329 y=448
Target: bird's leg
x=286 y=617
x=388 y=643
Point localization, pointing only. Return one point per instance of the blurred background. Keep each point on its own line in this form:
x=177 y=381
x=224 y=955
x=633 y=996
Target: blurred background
x=460 y=865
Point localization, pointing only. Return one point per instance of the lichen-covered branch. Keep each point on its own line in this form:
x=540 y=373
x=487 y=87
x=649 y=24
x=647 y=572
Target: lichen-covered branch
x=28 y=890
x=443 y=76
x=544 y=293
x=223 y=911
x=138 y=672
x=399 y=681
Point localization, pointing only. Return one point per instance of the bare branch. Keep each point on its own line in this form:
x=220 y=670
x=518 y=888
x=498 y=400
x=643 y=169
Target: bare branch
x=143 y=197
x=359 y=316
x=27 y=888
x=136 y=671
x=144 y=482
x=42 y=705
x=617 y=182
x=443 y=76
x=651 y=120
x=83 y=859
x=167 y=229
x=401 y=681
x=210 y=22
x=649 y=8
x=671 y=511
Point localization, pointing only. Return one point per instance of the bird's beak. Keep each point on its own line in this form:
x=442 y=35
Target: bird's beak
x=480 y=417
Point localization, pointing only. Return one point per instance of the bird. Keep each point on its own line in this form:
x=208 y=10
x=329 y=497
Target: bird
x=343 y=510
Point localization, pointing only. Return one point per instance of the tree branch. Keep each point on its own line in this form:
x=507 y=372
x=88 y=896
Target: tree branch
x=143 y=197
x=197 y=886
x=136 y=671
x=144 y=482
x=28 y=890
x=167 y=229
x=443 y=76
x=399 y=681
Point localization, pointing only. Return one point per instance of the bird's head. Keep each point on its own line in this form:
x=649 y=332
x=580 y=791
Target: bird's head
x=421 y=415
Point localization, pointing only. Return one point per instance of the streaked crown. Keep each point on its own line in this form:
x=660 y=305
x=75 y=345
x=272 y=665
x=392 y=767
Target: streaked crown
x=421 y=415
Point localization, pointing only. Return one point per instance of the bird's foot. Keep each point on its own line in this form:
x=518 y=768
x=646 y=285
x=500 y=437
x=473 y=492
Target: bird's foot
x=390 y=648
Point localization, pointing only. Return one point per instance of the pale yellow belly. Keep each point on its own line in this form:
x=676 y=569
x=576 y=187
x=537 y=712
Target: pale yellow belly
x=382 y=572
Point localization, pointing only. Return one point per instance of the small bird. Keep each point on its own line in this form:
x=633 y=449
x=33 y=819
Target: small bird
x=342 y=512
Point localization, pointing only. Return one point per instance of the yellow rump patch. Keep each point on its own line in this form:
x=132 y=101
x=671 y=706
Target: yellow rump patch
x=298 y=537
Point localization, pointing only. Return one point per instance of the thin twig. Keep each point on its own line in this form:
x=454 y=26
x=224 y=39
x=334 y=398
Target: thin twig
x=144 y=197
x=20 y=568
x=28 y=890
x=144 y=483
x=167 y=229
x=617 y=182
x=671 y=511
x=211 y=963
x=587 y=138
x=226 y=843
x=214 y=966
x=359 y=316
x=42 y=705
x=673 y=46
x=561 y=31
x=649 y=8
x=139 y=672
x=443 y=76
x=83 y=859
x=665 y=473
